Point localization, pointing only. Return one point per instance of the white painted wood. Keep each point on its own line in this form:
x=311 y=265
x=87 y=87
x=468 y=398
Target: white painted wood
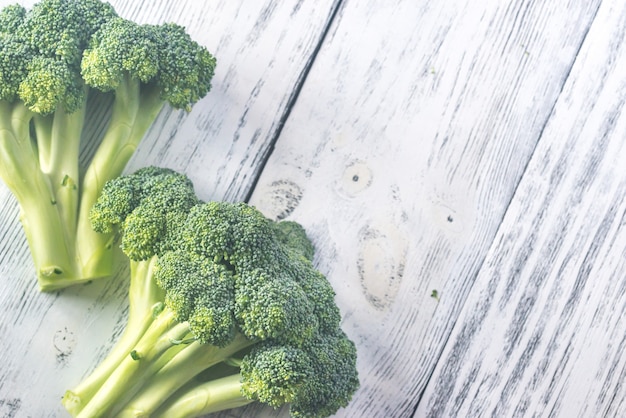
x=49 y=341
x=543 y=330
x=401 y=156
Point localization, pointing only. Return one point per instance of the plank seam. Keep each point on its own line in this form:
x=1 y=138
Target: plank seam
x=551 y=114
x=293 y=97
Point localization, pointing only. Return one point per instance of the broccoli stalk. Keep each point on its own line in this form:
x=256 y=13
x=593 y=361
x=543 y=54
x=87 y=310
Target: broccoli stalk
x=316 y=380
x=238 y=292
x=134 y=111
x=46 y=201
x=207 y=397
x=52 y=58
x=145 y=303
x=144 y=379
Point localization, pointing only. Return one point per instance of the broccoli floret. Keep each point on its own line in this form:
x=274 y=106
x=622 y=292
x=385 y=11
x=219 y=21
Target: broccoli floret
x=293 y=235
x=11 y=17
x=235 y=311
x=53 y=57
x=149 y=206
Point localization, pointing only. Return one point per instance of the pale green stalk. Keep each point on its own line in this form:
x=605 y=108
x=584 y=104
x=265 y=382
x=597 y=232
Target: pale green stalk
x=205 y=398
x=181 y=369
x=135 y=108
x=144 y=301
x=40 y=213
x=131 y=374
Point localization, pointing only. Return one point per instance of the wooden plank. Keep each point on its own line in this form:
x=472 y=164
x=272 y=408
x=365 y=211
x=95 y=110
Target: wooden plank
x=401 y=156
x=542 y=332
x=48 y=341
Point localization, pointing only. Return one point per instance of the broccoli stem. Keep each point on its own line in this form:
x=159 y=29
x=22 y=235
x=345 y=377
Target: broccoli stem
x=181 y=369
x=39 y=211
x=58 y=143
x=133 y=371
x=135 y=108
x=158 y=365
x=205 y=398
x=40 y=167
x=144 y=304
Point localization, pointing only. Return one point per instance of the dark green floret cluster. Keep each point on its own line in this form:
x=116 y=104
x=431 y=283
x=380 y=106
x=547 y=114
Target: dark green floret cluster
x=54 y=58
x=226 y=309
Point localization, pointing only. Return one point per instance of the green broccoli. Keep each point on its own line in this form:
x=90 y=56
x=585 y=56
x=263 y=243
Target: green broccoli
x=226 y=309
x=53 y=57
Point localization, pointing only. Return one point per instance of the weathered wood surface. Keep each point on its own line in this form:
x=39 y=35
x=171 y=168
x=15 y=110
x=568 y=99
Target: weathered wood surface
x=469 y=147
x=543 y=330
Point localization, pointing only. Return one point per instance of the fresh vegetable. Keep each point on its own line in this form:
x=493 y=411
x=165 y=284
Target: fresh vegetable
x=53 y=58
x=226 y=309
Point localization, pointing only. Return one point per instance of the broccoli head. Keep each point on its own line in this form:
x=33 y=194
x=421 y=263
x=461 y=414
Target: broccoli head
x=237 y=312
x=53 y=57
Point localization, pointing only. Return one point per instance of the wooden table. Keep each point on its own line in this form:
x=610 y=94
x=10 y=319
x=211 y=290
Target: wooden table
x=460 y=166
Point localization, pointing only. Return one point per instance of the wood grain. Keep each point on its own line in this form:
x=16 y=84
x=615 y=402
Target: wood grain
x=472 y=148
x=401 y=156
x=49 y=341
x=542 y=332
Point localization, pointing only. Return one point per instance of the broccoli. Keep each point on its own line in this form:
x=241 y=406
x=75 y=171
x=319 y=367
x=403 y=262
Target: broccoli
x=53 y=58
x=226 y=309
